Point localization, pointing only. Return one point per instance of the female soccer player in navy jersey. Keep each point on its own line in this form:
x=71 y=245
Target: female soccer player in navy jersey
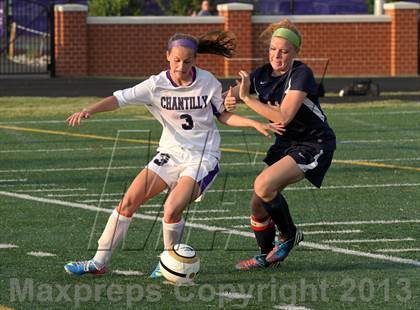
x=286 y=93
x=184 y=100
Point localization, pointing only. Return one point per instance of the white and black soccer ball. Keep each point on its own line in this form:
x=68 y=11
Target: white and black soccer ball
x=180 y=264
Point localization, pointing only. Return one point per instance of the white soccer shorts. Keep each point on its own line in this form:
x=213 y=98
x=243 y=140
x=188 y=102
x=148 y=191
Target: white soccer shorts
x=171 y=167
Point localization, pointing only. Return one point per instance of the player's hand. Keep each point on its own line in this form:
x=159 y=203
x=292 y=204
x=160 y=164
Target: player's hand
x=230 y=101
x=263 y=128
x=277 y=128
x=244 y=86
x=275 y=103
x=75 y=119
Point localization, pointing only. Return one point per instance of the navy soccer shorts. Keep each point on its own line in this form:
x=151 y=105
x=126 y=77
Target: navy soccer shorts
x=310 y=157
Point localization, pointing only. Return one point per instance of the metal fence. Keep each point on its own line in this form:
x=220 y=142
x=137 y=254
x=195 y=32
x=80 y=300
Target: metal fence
x=27 y=38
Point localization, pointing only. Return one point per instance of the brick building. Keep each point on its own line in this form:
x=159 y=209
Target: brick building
x=368 y=45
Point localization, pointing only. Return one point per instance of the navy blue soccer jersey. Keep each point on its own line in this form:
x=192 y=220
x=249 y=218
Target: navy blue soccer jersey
x=310 y=123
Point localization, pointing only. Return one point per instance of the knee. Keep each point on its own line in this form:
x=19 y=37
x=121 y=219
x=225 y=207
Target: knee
x=171 y=214
x=127 y=207
x=263 y=188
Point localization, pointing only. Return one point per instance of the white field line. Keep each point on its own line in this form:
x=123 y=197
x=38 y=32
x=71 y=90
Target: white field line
x=41 y=254
x=28 y=185
x=118 y=200
x=7 y=246
x=338 y=232
x=304 y=188
x=246 y=164
x=368 y=124
x=359 y=223
x=316 y=232
x=128 y=272
x=378 y=140
x=224 y=230
x=105 y=120
x=311 y=224
x=83 y=195
x=51 y=190
x=376 y=113
x=291 y=307
x=367 y=240
x=301 y=188
x=233 y=295
x=68 y=169
x=159 y=205
x=13 y=180
x=383 y=159
x=336 y=223
x=239 y=190
x=96 y=200
x=89 y=149
x=92 y=168
x=220 y=218
x=398 y=250
x=194 y=211
x=334 y=249
x=94 y=195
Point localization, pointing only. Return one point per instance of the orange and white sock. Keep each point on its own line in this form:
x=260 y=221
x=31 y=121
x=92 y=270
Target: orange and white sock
x=265 y=232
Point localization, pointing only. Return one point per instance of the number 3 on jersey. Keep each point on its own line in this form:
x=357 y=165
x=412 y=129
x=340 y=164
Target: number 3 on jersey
x=189 y=124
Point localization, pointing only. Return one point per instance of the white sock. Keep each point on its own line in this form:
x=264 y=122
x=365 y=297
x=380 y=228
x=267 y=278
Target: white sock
x=115 y=231
x=172 y=233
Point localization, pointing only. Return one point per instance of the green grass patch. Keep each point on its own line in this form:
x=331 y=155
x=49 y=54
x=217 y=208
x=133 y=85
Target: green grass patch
x=353 y=225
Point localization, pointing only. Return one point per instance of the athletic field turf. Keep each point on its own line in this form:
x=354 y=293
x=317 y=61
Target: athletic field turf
x=59 y=184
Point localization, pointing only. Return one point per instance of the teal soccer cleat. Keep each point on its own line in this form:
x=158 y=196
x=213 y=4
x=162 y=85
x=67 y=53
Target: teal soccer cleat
x=81 y=267
x=256 y=262
x=156 y=274
x=282 y=248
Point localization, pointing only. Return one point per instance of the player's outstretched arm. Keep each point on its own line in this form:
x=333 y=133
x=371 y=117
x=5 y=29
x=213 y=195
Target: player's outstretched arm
x=235 y=120
x=108 y=104
x=283 y=112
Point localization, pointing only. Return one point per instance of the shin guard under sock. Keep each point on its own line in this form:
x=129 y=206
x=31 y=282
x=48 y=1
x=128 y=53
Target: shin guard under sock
x=278 y=209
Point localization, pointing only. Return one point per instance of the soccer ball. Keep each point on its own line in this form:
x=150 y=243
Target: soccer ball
x=180 y=264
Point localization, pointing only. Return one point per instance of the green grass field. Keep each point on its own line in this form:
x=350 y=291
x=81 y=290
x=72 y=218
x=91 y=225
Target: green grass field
x=58 y=185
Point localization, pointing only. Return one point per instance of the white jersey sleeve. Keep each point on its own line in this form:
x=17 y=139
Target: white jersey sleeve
x=217 y=100
x=186 y=113
x=142 y=93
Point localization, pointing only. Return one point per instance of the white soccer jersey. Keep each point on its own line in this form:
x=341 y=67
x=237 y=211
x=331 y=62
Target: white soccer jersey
x=185 y=112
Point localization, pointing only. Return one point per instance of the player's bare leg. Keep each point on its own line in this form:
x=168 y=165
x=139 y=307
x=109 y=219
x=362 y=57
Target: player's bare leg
x=186 y=191
x=268 y=185
x=268 y=206
x=146 y=185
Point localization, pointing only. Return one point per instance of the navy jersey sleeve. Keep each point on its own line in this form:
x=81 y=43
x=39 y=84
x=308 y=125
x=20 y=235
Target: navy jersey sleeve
x=303 y=79
x=252 y=85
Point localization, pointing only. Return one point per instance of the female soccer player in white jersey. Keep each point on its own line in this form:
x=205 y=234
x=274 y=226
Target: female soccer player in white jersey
x=184 y=99
x=286 y=93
